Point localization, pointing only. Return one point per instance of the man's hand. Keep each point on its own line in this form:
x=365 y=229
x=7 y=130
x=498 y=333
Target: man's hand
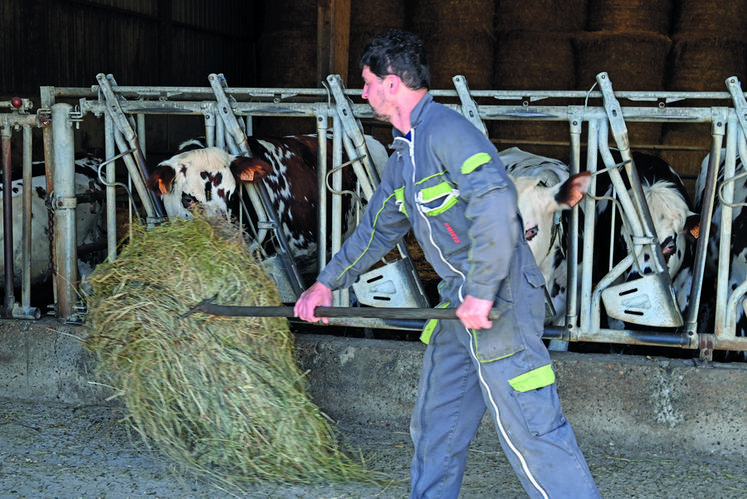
x=318 y=295
x=473 y=312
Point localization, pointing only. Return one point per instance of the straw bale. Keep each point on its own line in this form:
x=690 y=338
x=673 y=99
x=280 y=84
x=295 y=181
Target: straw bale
x=634 y=61
x=221 y=396
x=630 y=15
x=704 y=64
x=699 y=18
x=367 y=19
x=531 y=60
x=459 y=39
x=540 y=15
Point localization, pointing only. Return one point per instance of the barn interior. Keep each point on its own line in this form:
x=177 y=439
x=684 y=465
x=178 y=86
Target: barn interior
x=530 y=45
x=672 y=45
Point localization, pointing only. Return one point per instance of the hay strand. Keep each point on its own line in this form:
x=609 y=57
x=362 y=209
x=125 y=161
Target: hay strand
x=221 y=396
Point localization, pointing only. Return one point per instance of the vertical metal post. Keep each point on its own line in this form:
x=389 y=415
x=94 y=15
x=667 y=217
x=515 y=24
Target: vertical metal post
x=587 y=321
x=26 y=230
x=10 y=299
x=342 y=297
x=571 y=310
x=110 y=150
x=321 y=176
x=65 y=203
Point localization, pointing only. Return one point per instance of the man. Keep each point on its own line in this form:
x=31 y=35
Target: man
x=446 y=182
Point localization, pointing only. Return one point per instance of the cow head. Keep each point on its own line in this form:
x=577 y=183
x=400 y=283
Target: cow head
x=539 y=204
x=204 y=176
x=676 y=227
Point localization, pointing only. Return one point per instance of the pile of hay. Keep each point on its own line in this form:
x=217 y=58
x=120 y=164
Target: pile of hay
x=221 y=396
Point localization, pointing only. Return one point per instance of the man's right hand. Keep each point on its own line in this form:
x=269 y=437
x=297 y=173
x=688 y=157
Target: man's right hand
x=318 y=295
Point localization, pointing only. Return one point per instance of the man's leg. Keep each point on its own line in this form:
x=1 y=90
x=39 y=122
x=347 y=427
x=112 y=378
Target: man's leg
x=447 y=412
x=521 y=394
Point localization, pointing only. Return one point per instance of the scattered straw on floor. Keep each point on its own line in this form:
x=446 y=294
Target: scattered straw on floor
x=221 y=396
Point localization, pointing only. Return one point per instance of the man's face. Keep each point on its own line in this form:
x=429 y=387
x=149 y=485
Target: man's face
x=374 y=93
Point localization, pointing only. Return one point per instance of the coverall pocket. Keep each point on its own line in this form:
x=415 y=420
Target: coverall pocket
x=503 y=339
x=541 y=410
x=535 y=298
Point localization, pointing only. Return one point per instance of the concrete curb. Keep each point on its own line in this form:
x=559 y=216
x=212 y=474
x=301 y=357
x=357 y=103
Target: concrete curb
x=609 y=399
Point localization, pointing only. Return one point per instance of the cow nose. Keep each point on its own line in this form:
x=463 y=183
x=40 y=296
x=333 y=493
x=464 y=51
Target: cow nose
x=188 y=200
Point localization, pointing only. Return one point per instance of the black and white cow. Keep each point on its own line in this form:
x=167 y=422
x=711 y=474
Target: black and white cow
x=738 y=245
x=89 y=218
x=210 y=177
x=672 y=216
x=546 y=189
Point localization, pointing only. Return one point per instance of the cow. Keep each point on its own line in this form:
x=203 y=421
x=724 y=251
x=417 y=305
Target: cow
x=674 y=221
x=738 y=245
x=545 y=189
x=90 y=218
x=197 y=175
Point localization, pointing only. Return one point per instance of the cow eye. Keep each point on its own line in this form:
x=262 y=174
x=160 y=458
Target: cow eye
x=531 y=232
x=188 y=200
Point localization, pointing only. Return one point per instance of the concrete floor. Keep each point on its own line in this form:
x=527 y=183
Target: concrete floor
x=649 y=426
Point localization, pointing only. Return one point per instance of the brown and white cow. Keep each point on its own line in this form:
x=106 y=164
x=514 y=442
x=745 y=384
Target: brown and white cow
x=288 y=166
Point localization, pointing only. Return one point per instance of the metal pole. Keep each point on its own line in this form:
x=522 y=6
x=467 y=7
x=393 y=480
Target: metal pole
x=321 y=176
x=26 y=230
x=10 y=299
x=111 y=189
x=65 y=203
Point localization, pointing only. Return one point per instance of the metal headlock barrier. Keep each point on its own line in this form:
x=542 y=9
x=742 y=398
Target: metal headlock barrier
x=228 y=113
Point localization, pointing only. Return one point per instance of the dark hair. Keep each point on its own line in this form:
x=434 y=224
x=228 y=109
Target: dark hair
x=399 y=53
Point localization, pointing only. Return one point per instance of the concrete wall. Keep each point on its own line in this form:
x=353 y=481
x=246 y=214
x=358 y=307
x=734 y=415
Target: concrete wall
x=609 y=399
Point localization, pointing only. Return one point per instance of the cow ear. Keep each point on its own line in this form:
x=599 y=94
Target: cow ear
x=161 y=179
x=692 y=226
x=249 y=169
x=573 y=189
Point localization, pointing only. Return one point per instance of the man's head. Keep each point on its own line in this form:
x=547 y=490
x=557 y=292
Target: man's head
x=399 y=53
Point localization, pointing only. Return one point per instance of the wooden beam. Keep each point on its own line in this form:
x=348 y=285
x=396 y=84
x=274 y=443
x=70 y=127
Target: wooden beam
x=333 y=38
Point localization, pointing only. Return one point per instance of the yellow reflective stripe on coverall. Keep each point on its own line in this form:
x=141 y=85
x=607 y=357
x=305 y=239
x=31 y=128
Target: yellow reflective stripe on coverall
x=536 y=378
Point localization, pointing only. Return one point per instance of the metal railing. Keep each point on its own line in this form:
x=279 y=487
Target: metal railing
x=228 y=113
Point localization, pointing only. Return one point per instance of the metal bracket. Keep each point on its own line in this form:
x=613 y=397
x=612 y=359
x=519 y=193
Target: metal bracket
x=649 y=300
x=136 y=167
x=469 y=108
x=239 y=143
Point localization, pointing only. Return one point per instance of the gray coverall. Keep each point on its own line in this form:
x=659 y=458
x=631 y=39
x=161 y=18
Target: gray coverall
x=445 y=180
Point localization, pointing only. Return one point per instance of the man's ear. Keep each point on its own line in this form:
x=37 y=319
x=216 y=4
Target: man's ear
x=392 y=83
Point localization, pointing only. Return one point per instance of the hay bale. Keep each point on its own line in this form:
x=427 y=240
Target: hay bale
x=459 y=40
x=634 y=61
x=630 y=15
x=687 y=144
x=699 y=18
x=703 y=64
x=221 y=396
x=531 y=60
x=368 y=19
x=540 y=15
x=545 y=138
